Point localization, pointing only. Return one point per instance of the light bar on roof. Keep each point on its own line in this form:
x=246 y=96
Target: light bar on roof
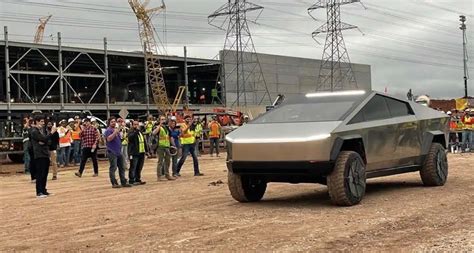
x=280 y=140
x=336 y=93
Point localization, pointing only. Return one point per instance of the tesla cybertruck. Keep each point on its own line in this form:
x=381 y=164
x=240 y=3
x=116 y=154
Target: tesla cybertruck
x=339 y=139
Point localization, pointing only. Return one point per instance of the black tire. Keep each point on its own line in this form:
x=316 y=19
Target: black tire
x=245 y=188
x=435 y=168
x=347 y=181
x=16 y=158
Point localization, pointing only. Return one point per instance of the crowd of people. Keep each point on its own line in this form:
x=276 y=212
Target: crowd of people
x=461 y=137
x=128 y=143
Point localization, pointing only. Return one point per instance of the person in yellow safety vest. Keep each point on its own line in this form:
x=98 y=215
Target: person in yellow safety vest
x=149 y=125
x=164 y=144
x=76 y=141
x=468 y=134
x=188 y=140
x=198 y=134
x=214 y=135
x=124 y=139
x=137 y=149
x=64 y=144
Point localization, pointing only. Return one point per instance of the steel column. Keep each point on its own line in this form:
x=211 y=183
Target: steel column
x=7 y=73
x=60 y=71
x=106 y=73
x=186 y=79
x=147 y=82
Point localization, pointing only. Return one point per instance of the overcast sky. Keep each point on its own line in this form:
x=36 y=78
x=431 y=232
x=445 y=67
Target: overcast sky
x=408 y=43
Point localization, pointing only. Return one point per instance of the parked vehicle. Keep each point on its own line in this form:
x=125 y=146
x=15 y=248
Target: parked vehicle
x=339 y=139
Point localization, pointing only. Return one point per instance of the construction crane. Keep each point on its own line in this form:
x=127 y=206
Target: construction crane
x=40 y=30
x=151 y=50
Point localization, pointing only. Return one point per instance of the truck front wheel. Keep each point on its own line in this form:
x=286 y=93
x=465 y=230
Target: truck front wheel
x=435 y=168
x=347 y=181
x=245 y=188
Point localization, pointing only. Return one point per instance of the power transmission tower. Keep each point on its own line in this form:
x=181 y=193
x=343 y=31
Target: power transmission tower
x=241 y=74
x=152 y=49
x=335 y=72
x=40 y=30
x=463 y=19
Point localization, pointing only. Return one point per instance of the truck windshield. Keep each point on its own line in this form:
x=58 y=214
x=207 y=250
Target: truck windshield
x=302 y=108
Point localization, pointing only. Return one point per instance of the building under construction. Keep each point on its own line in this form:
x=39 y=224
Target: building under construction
x=55 y=77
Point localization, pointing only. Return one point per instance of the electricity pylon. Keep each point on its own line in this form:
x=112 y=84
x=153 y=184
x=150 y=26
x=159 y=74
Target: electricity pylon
x=335 y=72
x=152 y=49
x=242 y=74
x=40 y=30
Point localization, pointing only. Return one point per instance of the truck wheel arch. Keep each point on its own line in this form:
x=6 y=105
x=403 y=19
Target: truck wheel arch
x=349 y=143
x=433 y=137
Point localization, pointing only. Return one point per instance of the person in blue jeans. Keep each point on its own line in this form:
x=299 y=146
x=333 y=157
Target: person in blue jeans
x=114 y=152
x=175 y=134
x=188 y=140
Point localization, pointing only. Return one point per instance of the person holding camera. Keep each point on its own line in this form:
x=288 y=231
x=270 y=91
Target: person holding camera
x=175 y=133
x=40 y=140
x=89 y=139
x=114 y=152
x=188 y=139
x=164 y=144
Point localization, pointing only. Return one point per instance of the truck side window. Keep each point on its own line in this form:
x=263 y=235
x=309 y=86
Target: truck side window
x=399 y=108
x=375 y=109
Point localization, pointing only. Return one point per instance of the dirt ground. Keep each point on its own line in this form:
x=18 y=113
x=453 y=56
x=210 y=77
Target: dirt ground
x=86 y=214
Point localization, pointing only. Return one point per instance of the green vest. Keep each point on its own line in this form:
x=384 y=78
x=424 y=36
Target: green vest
x=164 y=140
x=148 y=127
x=124 y=137
x=187 y=137
x=198 y=130
x=141 y=143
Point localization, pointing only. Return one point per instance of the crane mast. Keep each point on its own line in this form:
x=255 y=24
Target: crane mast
x=40 y=30
x=151 y=50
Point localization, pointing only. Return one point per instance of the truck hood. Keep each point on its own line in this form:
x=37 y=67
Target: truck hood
x=283 y=132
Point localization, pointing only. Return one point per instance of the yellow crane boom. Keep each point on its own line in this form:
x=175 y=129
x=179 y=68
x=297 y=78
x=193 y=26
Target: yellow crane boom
x=40 y=30
x=151 y=49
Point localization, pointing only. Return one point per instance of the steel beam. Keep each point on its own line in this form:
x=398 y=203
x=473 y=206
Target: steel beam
x=60 y=70
x=83 y=75
x=30 y=72
x=7 y=73
x=106 y=78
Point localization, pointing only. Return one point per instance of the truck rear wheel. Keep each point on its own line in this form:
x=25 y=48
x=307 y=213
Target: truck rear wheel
x=435 y=168
x=244 y=188
x=16 y=158
x=347 y=181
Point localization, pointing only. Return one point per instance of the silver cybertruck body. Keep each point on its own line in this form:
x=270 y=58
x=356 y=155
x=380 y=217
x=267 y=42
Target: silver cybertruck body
x=339 y=139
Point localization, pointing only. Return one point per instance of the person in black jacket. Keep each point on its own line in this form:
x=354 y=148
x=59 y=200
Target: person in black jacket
x=40 y=141
x=53 y=146
x=137 y=148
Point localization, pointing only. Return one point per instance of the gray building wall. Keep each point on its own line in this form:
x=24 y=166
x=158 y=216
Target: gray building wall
x=284 y=75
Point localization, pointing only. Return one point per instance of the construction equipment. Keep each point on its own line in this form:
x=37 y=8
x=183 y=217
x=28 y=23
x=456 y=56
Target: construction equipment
x=40 y=30
x=178 y=98
x=151 y=50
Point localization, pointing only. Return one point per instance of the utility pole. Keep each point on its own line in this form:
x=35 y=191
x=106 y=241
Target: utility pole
x=463 y=19
x=335 y=72
x=243 y=78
